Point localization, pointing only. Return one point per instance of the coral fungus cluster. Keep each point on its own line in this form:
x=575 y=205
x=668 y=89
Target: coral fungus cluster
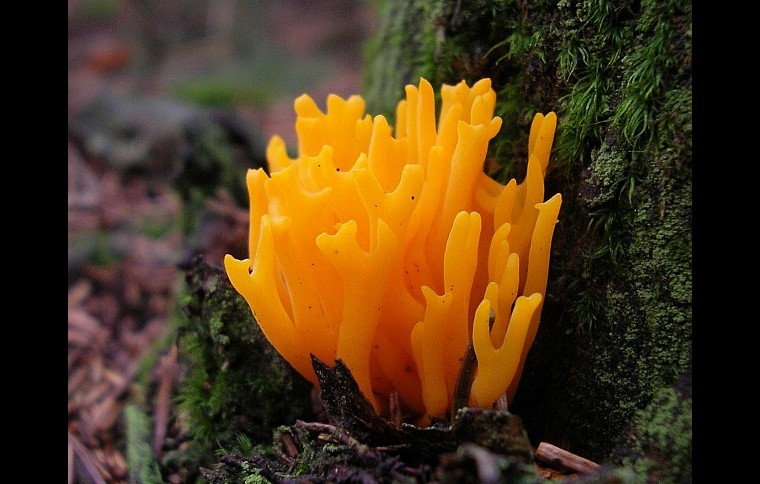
x=393 y=251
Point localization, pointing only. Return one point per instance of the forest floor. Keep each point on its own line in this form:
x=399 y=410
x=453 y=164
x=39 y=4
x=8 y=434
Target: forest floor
x=125 y=242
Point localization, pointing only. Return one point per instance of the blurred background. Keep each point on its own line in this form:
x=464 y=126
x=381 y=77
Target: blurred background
x=168 y=104
x=255 y=56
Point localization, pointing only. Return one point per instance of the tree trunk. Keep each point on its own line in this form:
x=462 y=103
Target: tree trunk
x=613 y=352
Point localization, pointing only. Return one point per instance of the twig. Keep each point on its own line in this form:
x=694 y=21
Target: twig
x=129 y=374
x=554 y=455
x=317 y=426
x=286 y=459
x=290 y=447
x=85 y=458
x=362 y=450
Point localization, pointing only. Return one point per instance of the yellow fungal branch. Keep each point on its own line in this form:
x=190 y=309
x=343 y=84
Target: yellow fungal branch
x=391 y=249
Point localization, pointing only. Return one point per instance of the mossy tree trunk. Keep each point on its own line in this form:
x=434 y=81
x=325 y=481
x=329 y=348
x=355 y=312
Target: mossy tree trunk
x=614 y=348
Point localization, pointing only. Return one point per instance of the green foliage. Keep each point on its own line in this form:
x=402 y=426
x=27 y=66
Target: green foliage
x=142 y=465
x=98 y=9
x=254 y=477
x=646 y=70
x=223 y=92
x=157 y=228
x=242 y=446
x=590 y=43
x=97 y=248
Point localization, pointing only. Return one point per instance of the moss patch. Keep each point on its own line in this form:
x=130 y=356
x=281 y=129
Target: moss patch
x=238 y=387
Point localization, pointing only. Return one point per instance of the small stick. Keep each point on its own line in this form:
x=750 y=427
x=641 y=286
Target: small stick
x=316 y=426
x=89 y=468
x=290 y=447
x=342 y=436
x=286 y=458
x=554 y=455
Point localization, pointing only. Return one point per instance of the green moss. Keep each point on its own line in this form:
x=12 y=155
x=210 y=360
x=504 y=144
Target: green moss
x=402 y=51
x=660 y=442
x=142 y=464
x=239 y=389
x=254 y=476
